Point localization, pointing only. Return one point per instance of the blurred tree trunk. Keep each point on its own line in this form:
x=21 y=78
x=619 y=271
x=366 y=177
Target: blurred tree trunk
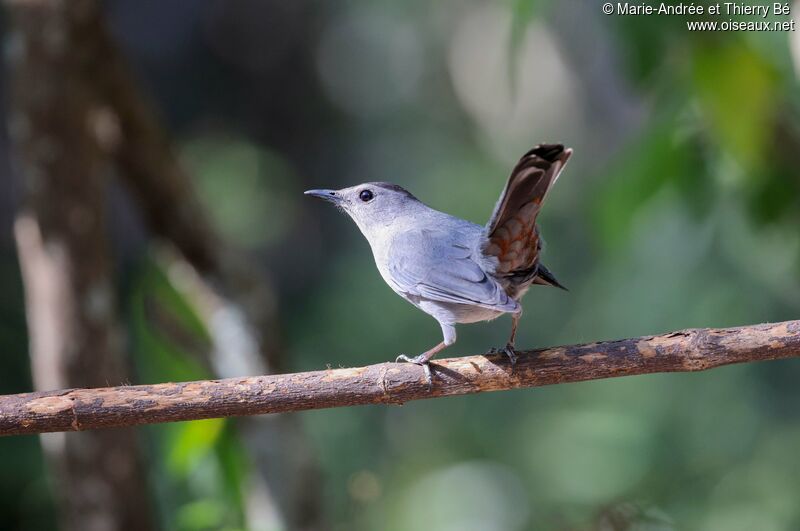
x=234 y=297
x=125 y=132
x=60 y=132
x=78 y=113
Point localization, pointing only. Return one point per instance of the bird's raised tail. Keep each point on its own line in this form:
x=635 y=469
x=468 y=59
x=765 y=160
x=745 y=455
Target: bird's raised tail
x=511 y=235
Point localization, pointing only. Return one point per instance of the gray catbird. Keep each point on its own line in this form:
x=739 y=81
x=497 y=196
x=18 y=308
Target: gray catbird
x=454 y=270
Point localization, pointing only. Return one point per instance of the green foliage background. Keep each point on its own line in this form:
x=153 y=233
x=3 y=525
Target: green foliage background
x=680 y=208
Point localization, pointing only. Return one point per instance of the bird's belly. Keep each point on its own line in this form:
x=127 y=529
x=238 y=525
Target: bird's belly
x=452 y=313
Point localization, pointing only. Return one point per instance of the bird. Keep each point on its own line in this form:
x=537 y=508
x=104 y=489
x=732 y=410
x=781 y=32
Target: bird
x=452 y=269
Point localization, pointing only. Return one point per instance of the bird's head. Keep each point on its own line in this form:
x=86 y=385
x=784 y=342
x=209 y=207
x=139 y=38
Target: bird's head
x=373 y=206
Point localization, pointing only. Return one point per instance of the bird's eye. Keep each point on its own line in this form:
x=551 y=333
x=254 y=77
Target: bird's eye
x=366 y=195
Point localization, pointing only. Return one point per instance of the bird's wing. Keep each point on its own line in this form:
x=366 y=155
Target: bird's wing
x=511 y=234
x=433 y=264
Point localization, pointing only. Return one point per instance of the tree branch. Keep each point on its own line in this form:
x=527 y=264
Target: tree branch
x=393 y=383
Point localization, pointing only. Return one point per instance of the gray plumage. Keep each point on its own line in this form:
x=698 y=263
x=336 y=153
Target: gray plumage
x=455 y=270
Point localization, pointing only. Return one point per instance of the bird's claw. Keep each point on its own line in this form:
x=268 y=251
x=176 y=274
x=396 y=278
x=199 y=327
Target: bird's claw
x=512 y=355
x=423 y=362
x=509 y=351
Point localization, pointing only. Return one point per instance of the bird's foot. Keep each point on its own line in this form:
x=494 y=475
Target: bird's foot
x=423 y=362
x=509 y=351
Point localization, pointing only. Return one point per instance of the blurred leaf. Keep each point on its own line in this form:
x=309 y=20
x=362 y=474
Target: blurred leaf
x=246 y=189
x=775 y=193
x=195 y=440
x=196 y=461
x=235 y=468
x=169 y=337
x=522 y=13
x=736 y=88
x=656 y=159
x=632 y=517
x=647 y=45
x=201 y=514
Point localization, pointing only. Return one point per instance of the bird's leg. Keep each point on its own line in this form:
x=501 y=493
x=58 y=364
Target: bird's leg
x=509 y=349
x=423 y=359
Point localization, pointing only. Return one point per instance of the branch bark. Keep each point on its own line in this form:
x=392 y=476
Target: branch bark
x=393 y=383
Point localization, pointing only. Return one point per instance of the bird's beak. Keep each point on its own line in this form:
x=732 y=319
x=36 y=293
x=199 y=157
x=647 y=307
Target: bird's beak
x=327 y=195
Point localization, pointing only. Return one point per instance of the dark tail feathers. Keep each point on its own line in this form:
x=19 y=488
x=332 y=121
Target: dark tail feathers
x=546 y=278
